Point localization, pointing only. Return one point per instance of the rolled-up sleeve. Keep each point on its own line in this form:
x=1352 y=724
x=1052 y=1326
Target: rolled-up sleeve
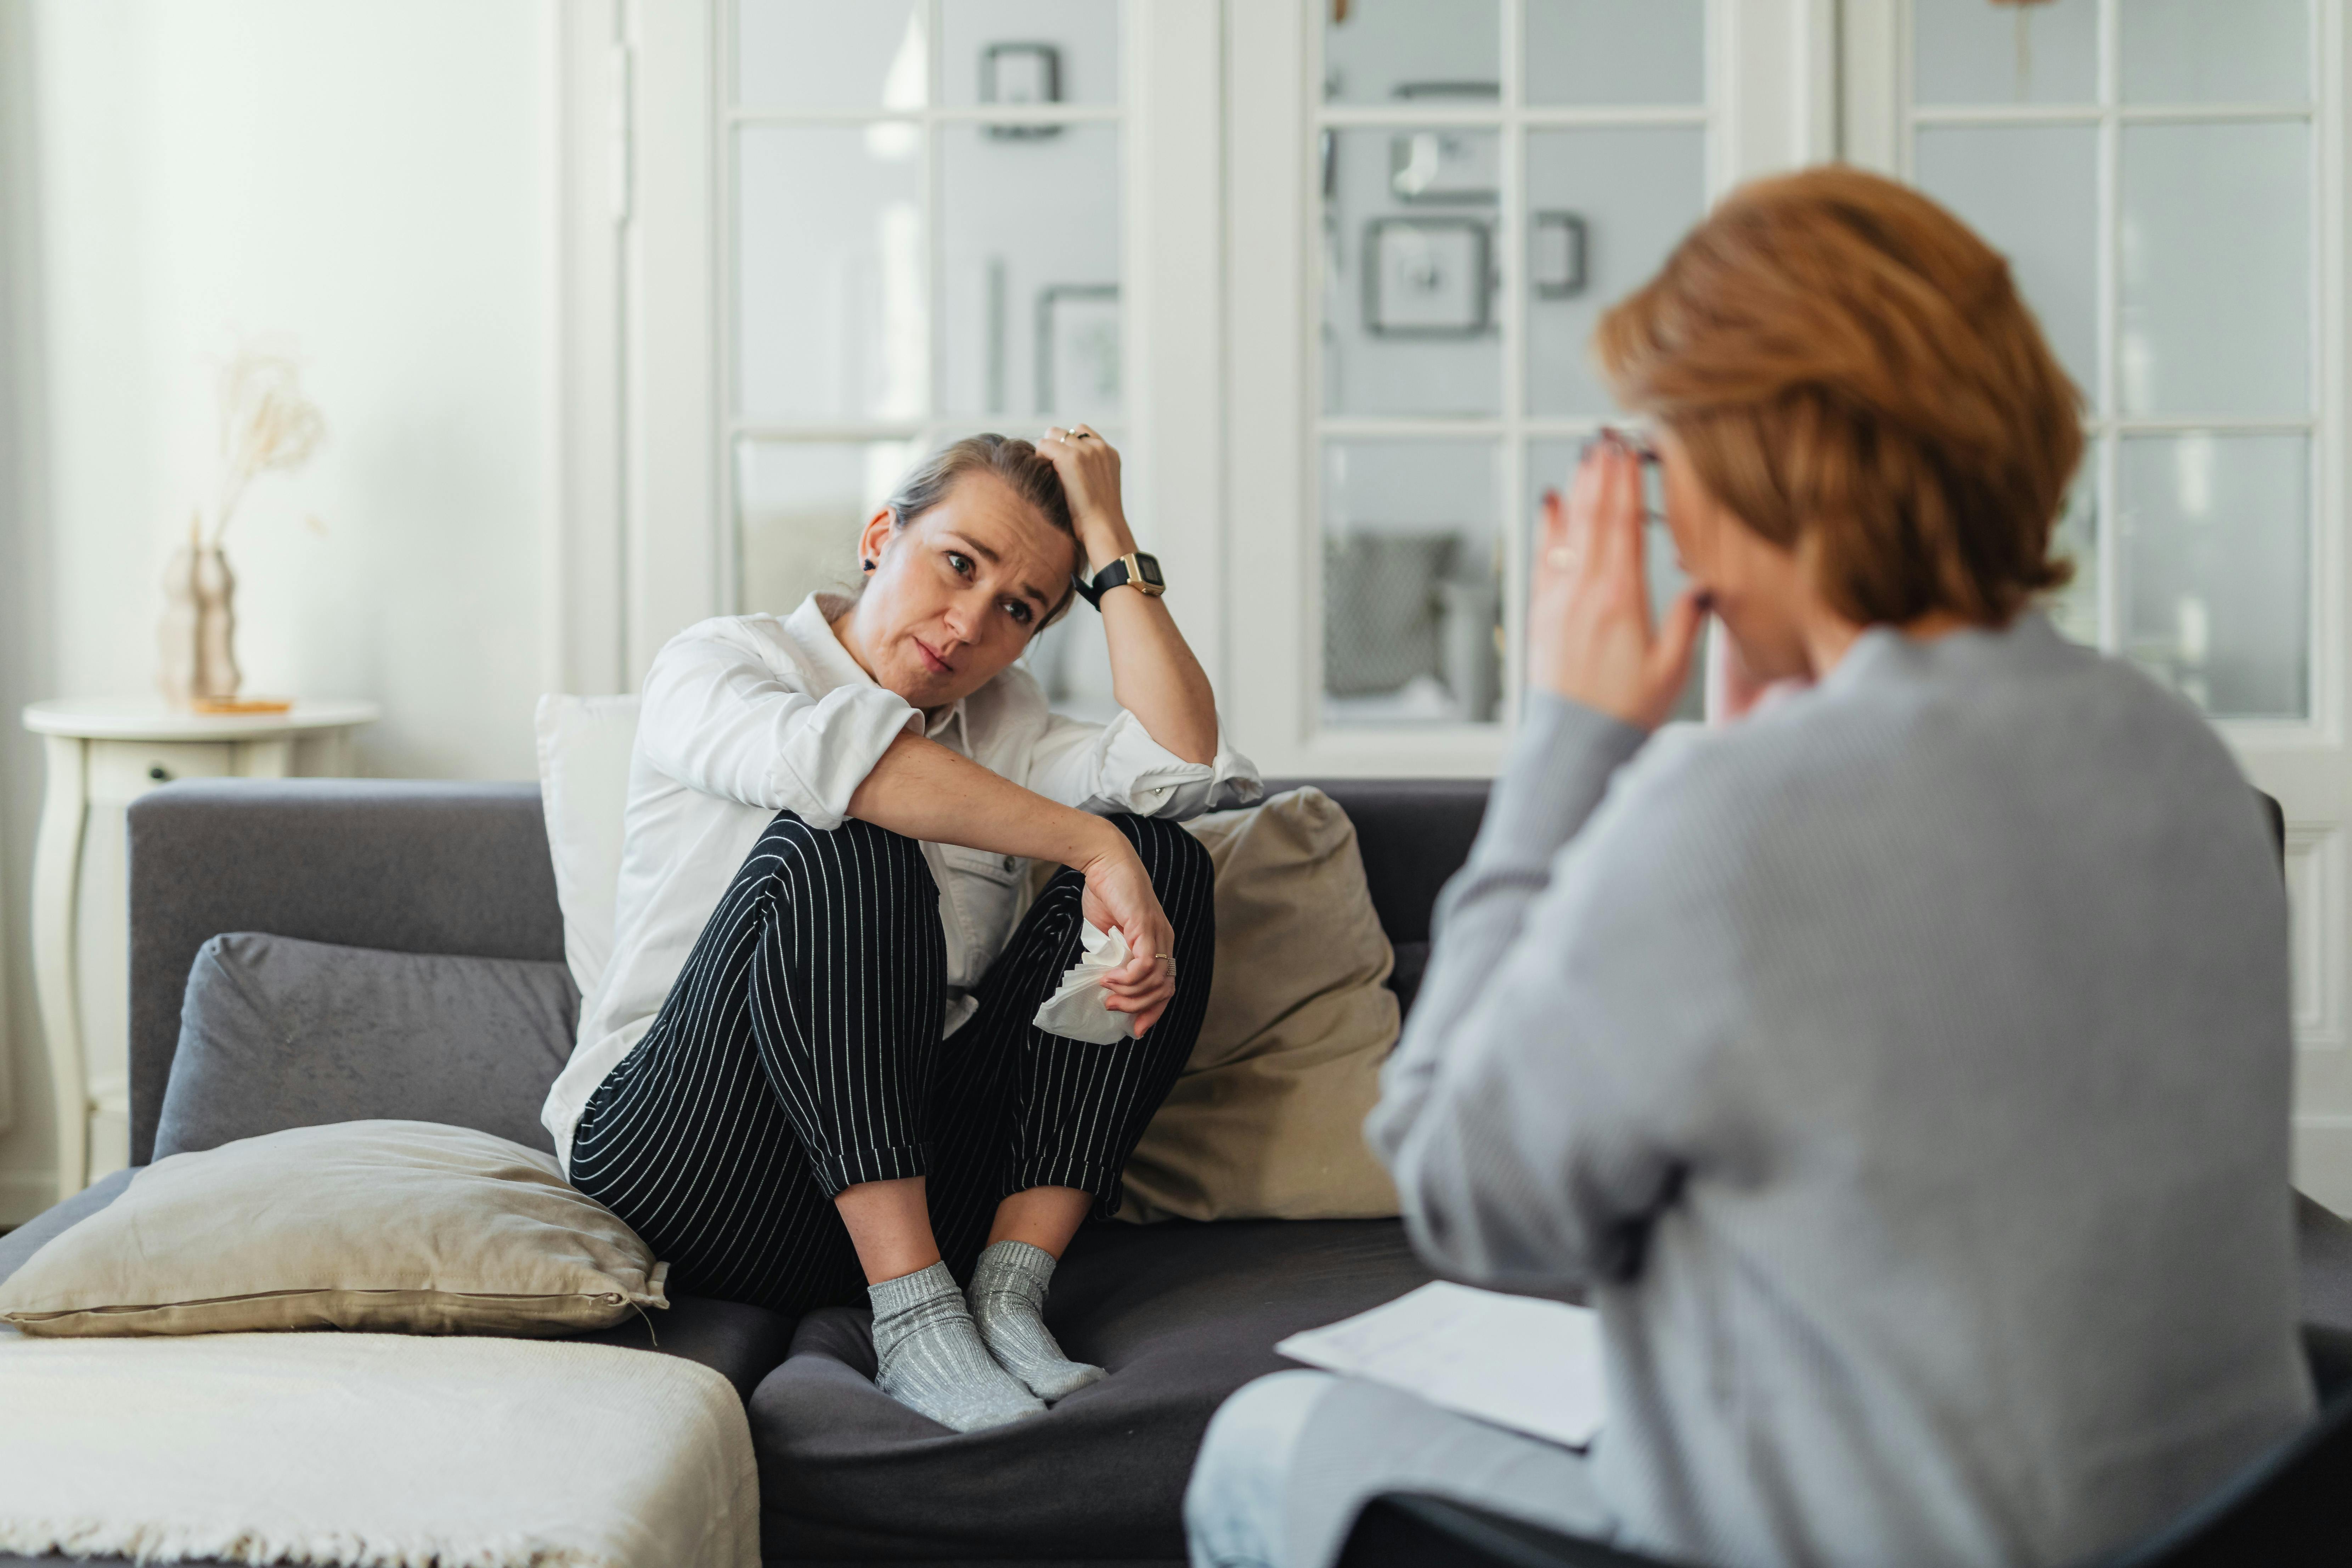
x=1118 y=766
x=716 y=716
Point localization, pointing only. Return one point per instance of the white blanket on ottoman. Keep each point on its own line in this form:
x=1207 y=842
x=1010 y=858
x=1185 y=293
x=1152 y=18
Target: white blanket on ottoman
x=372 y=1450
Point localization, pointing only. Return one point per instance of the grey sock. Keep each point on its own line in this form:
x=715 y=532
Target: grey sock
x=929 y=1355
x=1008 y=1302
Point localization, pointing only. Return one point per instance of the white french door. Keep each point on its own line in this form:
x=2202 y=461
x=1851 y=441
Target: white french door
x=2168 y=180
x=858 y=228
x=1430 y=205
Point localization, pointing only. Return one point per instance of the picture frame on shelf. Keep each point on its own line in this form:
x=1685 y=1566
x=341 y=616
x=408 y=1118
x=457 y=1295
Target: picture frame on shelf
x=1559 y=266
x=1078 y=338
x=1428 y=276
x=1021 y=73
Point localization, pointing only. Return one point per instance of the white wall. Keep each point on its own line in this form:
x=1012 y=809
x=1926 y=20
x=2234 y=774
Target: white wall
x=371 y=185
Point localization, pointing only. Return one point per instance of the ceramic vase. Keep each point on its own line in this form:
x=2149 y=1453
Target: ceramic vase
x=199 y=636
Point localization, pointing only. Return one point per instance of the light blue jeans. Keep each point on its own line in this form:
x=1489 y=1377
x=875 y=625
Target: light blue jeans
x=1290 y=1460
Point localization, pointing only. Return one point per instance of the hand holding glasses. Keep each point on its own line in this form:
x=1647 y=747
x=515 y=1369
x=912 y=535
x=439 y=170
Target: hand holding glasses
x=1590 y=635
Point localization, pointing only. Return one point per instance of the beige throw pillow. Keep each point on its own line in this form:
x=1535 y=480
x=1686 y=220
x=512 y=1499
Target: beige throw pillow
x=389 y=1227
x=1267 y=1120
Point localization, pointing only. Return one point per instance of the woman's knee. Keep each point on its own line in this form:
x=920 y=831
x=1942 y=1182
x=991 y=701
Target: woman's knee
x=1177 y=862
x=1235 y=1507
x=876 y=858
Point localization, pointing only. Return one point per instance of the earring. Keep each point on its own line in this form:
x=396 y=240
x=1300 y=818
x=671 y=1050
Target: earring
x=869 y=566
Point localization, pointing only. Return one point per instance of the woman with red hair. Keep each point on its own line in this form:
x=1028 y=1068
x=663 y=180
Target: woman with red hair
x=1902 y=1071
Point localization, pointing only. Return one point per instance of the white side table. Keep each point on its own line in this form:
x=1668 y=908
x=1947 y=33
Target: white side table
x=104 y=754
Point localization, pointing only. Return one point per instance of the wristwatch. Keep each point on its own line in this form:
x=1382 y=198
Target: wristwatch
x=1135 y=570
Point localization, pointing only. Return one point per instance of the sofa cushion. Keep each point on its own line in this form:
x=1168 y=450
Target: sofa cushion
x=278 y=1033
x=585 y=745
x=383 y=1227
x=398 y=864
x=1180 y=1313
x=741 y=1344
x=1267 y=1120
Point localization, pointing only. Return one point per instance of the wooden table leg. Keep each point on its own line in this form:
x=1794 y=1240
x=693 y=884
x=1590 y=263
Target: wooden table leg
x=57 y=876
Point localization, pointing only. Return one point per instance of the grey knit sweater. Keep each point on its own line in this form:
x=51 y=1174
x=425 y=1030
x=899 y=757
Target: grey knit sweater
x=1905 y=1072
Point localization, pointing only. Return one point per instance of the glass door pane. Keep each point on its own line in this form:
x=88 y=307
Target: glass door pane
x=1031 y=231
x=801 y=505
x=1028 y=51
x=2216 y=51
x=1388 y=51
x=2216 y=308
x=1616 y=52
x=2032 y=192
x=821 y=54
x=1966 y=52
x=832 y=296
x=1411 y=583
x=2216 y=540
x=1409 y=272
x=1604 y=207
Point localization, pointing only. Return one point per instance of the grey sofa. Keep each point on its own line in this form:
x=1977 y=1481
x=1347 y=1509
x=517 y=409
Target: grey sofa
x=1183 y=1314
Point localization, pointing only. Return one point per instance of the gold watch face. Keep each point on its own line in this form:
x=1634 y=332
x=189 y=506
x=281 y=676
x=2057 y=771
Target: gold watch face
x=1147 y=572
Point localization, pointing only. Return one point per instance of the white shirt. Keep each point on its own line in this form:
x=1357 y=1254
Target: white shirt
x=746 y=716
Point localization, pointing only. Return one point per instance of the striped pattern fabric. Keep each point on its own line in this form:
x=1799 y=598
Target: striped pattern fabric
x=799 y=1053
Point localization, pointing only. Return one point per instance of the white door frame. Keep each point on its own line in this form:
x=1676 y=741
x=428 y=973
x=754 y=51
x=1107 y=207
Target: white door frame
x=2307 y=765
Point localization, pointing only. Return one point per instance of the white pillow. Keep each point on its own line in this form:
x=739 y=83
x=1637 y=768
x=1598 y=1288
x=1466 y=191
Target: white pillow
x=583 y=785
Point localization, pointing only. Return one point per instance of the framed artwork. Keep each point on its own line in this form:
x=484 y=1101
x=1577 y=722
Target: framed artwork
x=1427 y=276
x=1558 y=264
x=1021 y=73
x=1077 y=350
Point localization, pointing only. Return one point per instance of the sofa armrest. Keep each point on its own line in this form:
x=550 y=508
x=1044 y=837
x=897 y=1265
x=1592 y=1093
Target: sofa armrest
x=413 y=867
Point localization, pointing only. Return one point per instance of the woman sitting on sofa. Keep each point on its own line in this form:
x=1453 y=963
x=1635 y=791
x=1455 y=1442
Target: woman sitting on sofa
x=812 y=1067
x=1902 y=1070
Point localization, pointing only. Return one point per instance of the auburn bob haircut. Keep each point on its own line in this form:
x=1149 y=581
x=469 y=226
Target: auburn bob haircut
x=1854 y=376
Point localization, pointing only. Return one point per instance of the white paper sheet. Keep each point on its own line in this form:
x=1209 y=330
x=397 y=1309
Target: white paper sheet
x=1531 y=1365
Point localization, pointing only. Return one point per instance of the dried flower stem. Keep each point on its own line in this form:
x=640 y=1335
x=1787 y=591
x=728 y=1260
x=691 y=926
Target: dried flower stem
x=267 y=423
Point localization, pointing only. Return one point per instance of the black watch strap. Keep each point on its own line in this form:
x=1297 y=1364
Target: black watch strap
x=1115 y=575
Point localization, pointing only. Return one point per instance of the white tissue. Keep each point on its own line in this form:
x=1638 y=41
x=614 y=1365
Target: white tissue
x=1076 y=1011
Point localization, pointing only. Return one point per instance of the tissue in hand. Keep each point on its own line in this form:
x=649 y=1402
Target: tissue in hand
x=1075 y=1010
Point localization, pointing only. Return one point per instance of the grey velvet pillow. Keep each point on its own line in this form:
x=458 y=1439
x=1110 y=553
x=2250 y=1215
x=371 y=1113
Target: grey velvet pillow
x=276 y=1033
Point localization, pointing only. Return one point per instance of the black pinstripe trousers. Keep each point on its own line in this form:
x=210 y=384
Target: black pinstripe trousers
x=799 y=1053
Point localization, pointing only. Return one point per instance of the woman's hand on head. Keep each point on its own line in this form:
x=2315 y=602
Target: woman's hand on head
x=1590 y=635
x=1089 y=468
x=1118 y=893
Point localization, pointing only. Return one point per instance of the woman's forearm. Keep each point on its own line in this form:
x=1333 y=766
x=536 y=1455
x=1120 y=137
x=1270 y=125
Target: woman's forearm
x=923 y=791
x=1155 y=677
x=1152 y=673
